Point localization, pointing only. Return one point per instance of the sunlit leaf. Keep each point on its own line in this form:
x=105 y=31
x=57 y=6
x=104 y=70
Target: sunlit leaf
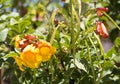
x=13 y=21
x=11 y=54
x=3 y=34
x=80 y=65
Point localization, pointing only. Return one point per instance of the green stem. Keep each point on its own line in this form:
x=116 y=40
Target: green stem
x=103 y=54
x=53 y=35
x=77 y=25
x=79 y=6
x=51 y=70
x=34 y=75
x=93 y=45
x=51 y=41
x=52 y=25
x=99 y=42
x=91 y=63
x=111 y=20
x=72 y=29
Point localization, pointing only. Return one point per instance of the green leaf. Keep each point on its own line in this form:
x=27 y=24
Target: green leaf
x=111 y=53
x=117 y=41
x=117 y=59
x=80 y=65
x=51 y=6
x=11 y=54
x=12 y=14
x=3 y=34
x=13 y=21
x=107 y=72
x=2 y=25
x=108 y=64
x=3 y=17
x=23 y=24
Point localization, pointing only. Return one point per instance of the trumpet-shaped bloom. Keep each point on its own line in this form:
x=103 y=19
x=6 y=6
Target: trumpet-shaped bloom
x=30 y=57
x=33 y=54
x=19 y=62
x=101 y=29
x=46 y=50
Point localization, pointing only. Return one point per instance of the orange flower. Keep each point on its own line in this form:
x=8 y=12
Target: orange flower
x=32 y=51
x=19 y=62
x=45 y=50
x=30 y=57
x=101 y=29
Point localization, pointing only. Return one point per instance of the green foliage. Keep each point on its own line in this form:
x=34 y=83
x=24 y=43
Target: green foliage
x=11 y=54
x=117 y=42
x=3 y=35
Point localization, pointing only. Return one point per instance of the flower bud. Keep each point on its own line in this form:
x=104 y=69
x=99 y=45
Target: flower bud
x=100 y=10
x=101 y=30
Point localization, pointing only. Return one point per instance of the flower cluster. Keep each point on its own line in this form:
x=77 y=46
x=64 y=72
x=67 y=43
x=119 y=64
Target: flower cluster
x=32 y=51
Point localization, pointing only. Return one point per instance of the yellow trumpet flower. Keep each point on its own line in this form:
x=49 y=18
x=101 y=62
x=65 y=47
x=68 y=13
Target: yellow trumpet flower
x=32 y=55
x=46 y=50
